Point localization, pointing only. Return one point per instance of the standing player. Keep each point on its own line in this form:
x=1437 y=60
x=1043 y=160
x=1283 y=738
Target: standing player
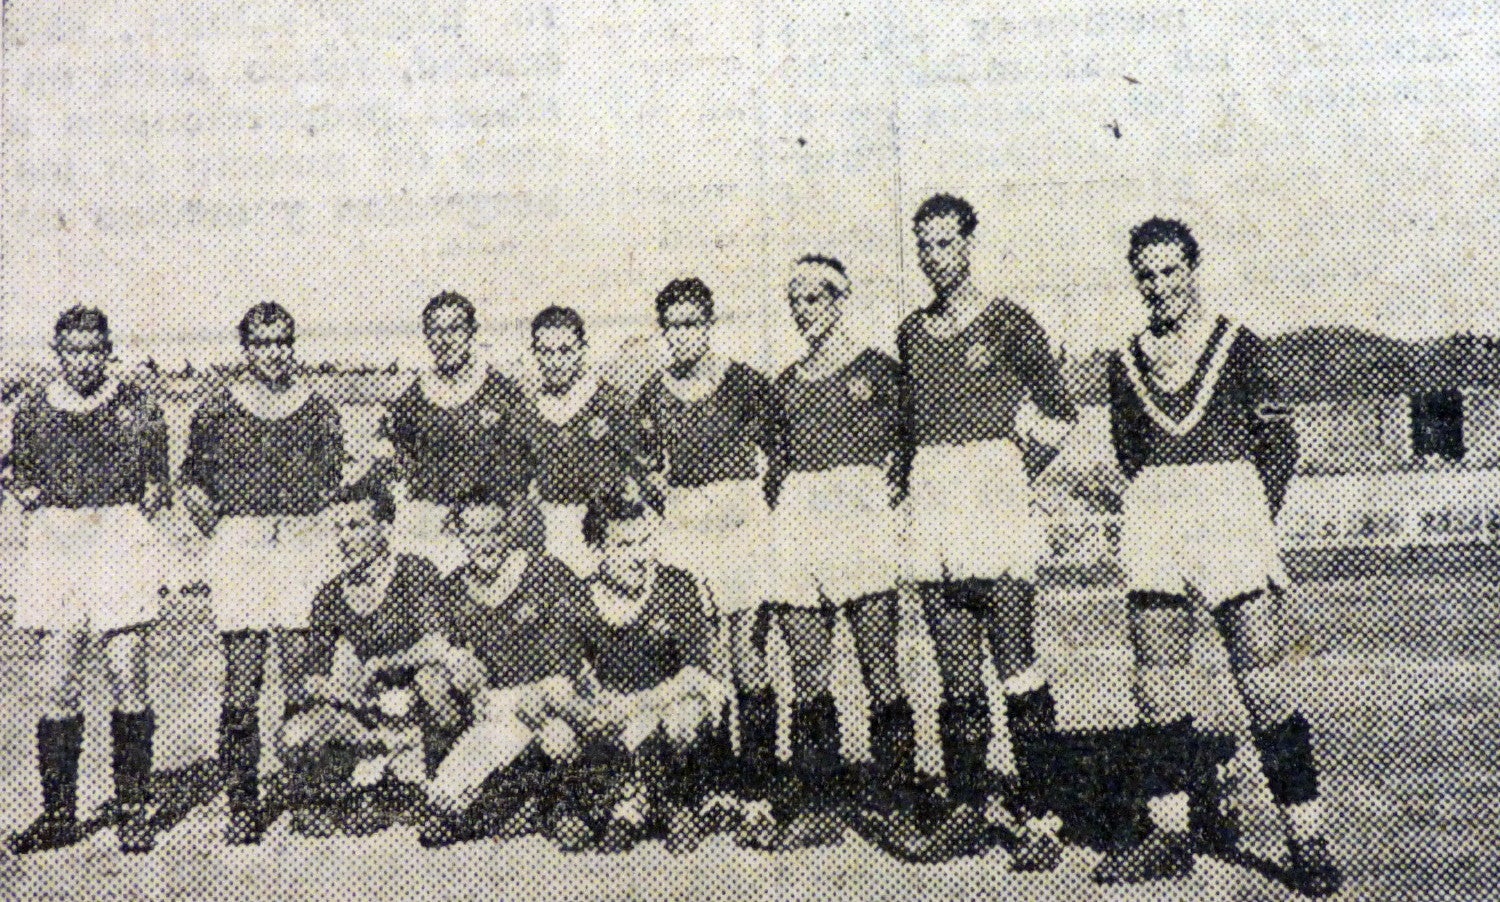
x=1208 y=455
x=709 y=425
x=90 y=468
x=581 y=431
x=835 y=480
x=452 y=429
x=982 y=387
x=265 y=456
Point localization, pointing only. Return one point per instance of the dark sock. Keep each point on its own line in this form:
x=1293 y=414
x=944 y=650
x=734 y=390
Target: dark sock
x=816 y=753
x=1032 y=717
x=757 y=712
x=964 y=727
x=1163 y=757
x=1286 y=756
x=133 y=734
x=239 y=755
x=59 y=743
x=893 y=740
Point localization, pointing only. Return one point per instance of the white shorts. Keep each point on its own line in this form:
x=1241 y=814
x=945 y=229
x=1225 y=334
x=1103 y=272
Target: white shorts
x=563 y=525
x=264 y=572
x=423 y=528
x=968 y=515
x=833 y=537
x=715 y=533
x=1201 y=528
x=99 y=569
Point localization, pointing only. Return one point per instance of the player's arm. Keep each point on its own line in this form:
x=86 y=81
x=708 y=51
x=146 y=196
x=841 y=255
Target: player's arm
x=1273 y=435
x=906 y=431
x=1051 y=414
x=777 y=444
x=154 y=458
x=1126 y=430
x=25 y=458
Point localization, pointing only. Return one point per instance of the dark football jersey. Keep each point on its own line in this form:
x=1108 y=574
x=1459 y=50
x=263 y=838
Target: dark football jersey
x=447 y=452
x=530 y=635
x=415 y=604
x=95 y=457
x=715 y=439
x=592 y=452
x=671 y=632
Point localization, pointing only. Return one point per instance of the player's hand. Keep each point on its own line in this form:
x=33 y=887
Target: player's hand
x=155 y=497
x=30 y=497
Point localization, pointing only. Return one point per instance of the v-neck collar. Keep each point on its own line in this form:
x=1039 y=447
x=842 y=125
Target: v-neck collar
x=559 y=410
x=268 y=405
x=61 y=396
x=618 y=609
x=450 y=394
x=704 y=381
x=507 y=581
x=1200 y=388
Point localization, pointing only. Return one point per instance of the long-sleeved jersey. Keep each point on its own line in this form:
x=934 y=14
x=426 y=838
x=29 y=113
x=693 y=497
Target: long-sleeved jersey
x=716 y=438
x=531 y=633
x=253 y=466
x=89 y=452
x=1227 y=411
x=671 y=631
x=588 y=452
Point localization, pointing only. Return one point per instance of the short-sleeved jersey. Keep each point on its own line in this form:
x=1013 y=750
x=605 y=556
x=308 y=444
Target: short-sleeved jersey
x=252 y=466
x=445 y=452
x=969 y=387
x=94 y=452
x=672 y=631
x=1227 y=411
x=529 y=635
x=850 y=418
x=717 y=438
x=415 y=604
x=591 y=452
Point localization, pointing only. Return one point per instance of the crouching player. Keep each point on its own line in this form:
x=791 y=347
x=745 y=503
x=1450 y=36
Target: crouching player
x=516 y=610
x=644 y=700
x=1208 y=456
x=379 y=674
x=90 y=468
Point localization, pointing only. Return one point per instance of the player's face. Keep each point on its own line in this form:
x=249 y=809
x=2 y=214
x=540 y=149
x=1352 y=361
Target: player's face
x=268 y=351
x=628 y=550
x=559 y=355
x=361 y=537
x=488 y=534
x=942 y=252
x=1165 y=280
x=82 y=353
x=449 y=338
x=815 y=307
x=686 y=329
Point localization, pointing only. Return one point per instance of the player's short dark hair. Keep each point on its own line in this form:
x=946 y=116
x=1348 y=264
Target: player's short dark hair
x=628 y=502
x=556 y=317
x=374 y=488
x=1157 y=230
x=948 y=205
x=450 y=299
x=685 y=291
x=79 y=318
x=266 y=314
x=832 y=263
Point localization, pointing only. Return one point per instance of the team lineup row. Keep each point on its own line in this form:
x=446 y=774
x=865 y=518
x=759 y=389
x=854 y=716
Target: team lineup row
x=548 y=608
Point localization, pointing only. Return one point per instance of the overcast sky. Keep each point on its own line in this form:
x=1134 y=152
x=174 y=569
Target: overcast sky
x=178 y=160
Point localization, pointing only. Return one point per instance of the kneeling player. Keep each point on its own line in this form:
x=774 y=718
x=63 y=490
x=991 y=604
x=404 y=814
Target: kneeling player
x=1208 y=457
x=645 y=698
x=90 y=468
x=379 y=671
x=516 y=610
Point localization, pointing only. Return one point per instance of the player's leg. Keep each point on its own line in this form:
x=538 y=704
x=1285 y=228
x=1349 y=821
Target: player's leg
x=872 y=621
x=239 y=733
x=132 y=728
x=1031 y=714
x=1255 y=636
x=319 y=746
x=756 y=705
x=1164 y=746
x=496 y=739
x=817 y=756
x=964 y=713
x=59 y=743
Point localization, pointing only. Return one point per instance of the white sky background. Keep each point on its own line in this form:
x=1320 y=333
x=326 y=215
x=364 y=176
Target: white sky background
x=175 y=161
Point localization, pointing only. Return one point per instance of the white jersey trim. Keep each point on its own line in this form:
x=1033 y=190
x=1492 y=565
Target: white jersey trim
x=450 y=394
x=61 y=396
x=559 y=410
x=1207 y=386
x=269 y=405
x=702 y=383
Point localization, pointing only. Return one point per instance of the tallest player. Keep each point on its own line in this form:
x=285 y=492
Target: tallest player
x=981 y=388
x=1208 y=454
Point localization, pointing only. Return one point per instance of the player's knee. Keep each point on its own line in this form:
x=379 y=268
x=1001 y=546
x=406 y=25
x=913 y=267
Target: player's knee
x=557 y=740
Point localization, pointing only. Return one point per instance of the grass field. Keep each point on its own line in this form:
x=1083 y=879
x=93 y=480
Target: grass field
x=1404 y=692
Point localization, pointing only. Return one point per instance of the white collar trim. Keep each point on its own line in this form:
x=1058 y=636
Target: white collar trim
x=616 y=608
x=1207 y=384
x=506 y=582
x=452 y=393
x=560 y=409
x=702 y=382
x=266 y=404
x=61 y=396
